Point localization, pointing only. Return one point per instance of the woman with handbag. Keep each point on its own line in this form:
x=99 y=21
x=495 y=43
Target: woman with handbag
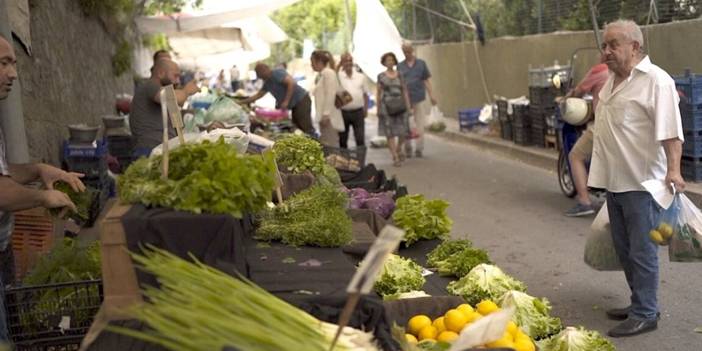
x=329 y=116
x=393 y=111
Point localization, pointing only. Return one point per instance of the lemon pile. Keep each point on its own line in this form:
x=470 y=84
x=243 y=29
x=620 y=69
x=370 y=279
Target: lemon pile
x=447 y=327
x=662 y=234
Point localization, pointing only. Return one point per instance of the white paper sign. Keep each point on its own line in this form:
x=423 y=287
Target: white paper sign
x=367 y=273
x=484 y=330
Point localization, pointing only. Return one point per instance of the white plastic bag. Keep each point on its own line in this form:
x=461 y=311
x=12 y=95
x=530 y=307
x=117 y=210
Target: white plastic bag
x=599 y=247
x=486 y=114
x=436 y=120
x=686 y=241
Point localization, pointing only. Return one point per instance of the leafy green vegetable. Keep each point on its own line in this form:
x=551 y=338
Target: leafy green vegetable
x=576 y=339
x=422 y=219
x=531 y=314
x=329 y=176
x=207 y=177
x=406 y=295
x=461 y=263
x=66 y=262
x=299 y=153
x=446 y=249
x=315 y=216
x=82 y=200
x=399 y=275
x=484 y=282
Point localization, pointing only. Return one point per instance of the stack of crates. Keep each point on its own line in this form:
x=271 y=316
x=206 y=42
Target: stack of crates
x=505 y=119
x=542 y=110
x=542 y=104
x=690 y=90
x=90 y=160
x=521 y=128
x=122 y=148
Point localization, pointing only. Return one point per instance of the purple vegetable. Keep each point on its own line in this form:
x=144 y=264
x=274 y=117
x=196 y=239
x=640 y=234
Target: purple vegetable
x=382 y=205
x=356 y=203
x=359 y=193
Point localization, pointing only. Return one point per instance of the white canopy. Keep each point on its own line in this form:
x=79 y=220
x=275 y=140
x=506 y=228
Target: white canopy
x=373 y=36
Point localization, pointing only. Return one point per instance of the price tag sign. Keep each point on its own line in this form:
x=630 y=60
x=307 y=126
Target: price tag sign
x=367 y=273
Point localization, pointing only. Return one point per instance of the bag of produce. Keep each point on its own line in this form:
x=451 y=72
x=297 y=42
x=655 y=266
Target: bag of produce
x=686 y=239
x=227 y=110
x=669 y=223
x=599 y=247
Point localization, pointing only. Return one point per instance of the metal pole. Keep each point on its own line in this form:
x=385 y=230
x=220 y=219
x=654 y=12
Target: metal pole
x=595 y=28
x=11 y=115
x=349 y=27
x=541 y=15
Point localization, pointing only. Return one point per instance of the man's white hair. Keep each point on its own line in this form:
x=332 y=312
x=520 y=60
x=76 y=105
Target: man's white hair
x=629 y=28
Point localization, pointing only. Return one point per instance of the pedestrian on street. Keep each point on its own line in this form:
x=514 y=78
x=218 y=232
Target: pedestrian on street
x=234 y=77
x=393 y=108
x=354 y=112
x=638 y=136
x=328 y=115
x=146 y=121
x=582 y=150
x=417 y=77
x=288 y=95
x=14 y=196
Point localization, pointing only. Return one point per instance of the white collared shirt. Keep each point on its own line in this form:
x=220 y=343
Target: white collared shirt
x=631 y=122
x=356 y=86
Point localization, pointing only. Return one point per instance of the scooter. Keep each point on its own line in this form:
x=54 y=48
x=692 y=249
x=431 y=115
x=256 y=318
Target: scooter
x=567 y=137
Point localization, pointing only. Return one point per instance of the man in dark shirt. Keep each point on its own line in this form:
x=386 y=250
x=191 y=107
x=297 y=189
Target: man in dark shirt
x=288 y=95
x=416 y=76
x=14 y=196
x=145 y=118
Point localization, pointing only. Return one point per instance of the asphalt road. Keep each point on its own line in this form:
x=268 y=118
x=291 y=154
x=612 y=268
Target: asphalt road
x=514 y=211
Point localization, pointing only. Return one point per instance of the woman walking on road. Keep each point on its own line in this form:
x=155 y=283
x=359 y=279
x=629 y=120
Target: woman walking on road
x=393 y=108
x=330 y=120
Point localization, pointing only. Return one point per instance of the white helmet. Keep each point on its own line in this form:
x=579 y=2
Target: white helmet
x=575 y=111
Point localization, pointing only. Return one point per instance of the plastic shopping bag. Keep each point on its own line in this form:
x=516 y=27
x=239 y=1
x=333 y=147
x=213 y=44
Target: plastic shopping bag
x=436 y=120
x=669 y=223
x=686 y=239
x=599 y=247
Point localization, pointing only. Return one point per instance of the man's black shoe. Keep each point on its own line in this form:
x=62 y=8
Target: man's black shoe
x=631 y=327
x=618 y=314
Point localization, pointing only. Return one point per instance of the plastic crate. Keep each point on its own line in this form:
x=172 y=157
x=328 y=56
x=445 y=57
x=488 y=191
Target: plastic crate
x=97 y=150
x=52 y=317
x=91 y=167
x=346 y=159
x=542 y=77
x=691 y=168
x=688 y=110
x=502 y=108
x=506 y=130
x=468 y=118
x=693 y=144
x=522 y=120
x=690 y=85
x=521 y=136
x=120 y=146
x=32 y=236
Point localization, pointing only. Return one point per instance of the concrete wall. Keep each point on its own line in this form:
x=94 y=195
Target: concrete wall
x=456 y=78
x=68 y=79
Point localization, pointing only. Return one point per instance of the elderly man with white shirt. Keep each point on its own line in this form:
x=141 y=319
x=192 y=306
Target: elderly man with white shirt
x=354 y=112
x=638 y=136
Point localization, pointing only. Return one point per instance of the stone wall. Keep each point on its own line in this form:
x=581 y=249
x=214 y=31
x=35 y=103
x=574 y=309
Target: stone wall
x=68 y=79
x=506 y=61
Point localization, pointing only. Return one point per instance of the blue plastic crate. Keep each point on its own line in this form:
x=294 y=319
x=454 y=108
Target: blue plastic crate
x=691 y=121
x=98 y=151
x=690 y=85
x=691 y=168
x=693 y=144
x=468 y=118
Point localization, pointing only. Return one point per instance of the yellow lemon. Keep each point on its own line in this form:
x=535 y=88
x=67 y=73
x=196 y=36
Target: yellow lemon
x=512 y=328
x=439 y=324
x=505 y=341
x=411 y=339
x=524 y=345
x=465 y=308
x=666 y=230
x=447 y=336
x=486 y=307
x=418 y=323
x=427 y=332
x=455 y=320
x=474 y=316
x=656 y=236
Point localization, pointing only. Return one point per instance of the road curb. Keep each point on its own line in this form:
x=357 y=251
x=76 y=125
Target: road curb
x=542 y=158
x=538 y=157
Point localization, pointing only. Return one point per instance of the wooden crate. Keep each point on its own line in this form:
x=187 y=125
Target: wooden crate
x=34 y=234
